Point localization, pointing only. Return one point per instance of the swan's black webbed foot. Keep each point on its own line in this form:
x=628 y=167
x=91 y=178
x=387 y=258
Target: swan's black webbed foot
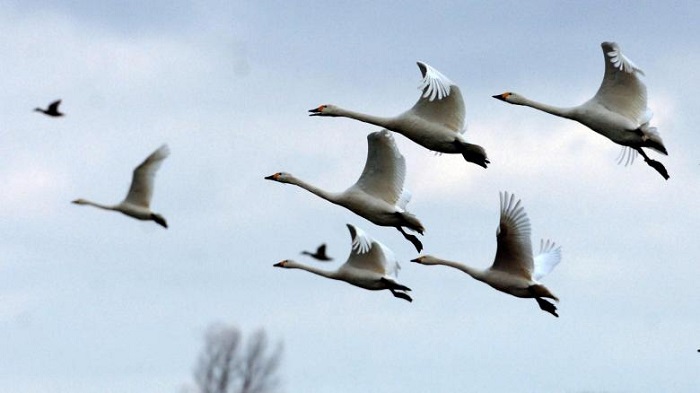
x=547 y=306
x=401 y=295
x=159 y=220
x=659 y=167
x=473 y=153
x=411 y=238
x=416 y=243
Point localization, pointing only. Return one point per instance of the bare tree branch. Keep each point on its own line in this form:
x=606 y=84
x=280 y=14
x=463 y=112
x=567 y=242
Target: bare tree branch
x=225 y=367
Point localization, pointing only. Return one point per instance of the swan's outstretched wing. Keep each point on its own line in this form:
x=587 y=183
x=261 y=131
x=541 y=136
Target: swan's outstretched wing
x=548 y=258
x=385 y=169
x=514 y=249
x=367 y=253
x=441 y=101
x=621 y=90
x=53 y=107
x=141 y=189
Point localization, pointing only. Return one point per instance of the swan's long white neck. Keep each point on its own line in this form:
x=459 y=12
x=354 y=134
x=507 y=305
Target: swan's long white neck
x=312 y=269
x=475 y=273
x=329 y=196
x=385 y=122
x=554 y=110
x=99 y=205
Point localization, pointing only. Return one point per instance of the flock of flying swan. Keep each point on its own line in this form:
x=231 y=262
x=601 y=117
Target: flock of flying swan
x=618 y=111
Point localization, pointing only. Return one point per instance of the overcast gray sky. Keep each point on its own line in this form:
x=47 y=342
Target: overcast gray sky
x=93 y=301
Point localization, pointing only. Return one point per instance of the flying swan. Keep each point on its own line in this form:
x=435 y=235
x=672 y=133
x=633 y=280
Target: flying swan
x=618 y=110
x=138 y=199
x=513 y=271
x=371 y=265
x=435 y=122
x=379 y=194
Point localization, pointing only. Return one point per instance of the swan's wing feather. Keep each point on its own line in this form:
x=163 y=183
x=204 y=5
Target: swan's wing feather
x=514 y=249
x=385 y=168
x=391 y=264
x=366 y=253
x=441 y=101
x=547 y=259
x=143 y=179
x=622 y=91
x=404 y=199
x=434 y=84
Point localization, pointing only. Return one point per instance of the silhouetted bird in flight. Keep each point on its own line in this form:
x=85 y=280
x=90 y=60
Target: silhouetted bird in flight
x=52 y=110
x=320 y=253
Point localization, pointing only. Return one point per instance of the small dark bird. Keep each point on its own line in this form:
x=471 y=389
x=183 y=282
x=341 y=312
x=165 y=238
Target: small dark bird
x=320 y=253
x=52 y=110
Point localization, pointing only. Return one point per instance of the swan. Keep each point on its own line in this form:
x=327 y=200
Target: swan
x=435 y=122
x=379 y=194
x=371 y=265
x=138 y=199
x=52 y=110
x=320 y=253
x=514 y=271
x=618 y=110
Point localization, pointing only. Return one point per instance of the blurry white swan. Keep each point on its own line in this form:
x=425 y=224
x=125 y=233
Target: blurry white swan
x=379 y=194
x=138 y=199
x=371 y=265
x=435 y=122
x=618 y=110
x=513 y=271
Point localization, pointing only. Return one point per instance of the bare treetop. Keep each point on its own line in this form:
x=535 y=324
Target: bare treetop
x=227 y=366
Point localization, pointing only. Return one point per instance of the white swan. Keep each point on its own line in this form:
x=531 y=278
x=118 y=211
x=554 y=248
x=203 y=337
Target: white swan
x=138 y=199
x=513 y=271
x=379 y=194
x=371 y=265
x=436 y=121
x=618 y=110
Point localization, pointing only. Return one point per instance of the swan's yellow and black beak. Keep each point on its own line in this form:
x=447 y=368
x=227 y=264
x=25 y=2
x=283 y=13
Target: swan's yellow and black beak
x=280 y=264
x=272 y=177
x=501 y=97
x=317 y=111
x=416 y=260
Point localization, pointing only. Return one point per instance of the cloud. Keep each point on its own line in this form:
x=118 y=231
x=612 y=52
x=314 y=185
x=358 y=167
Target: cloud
x=14 y=305
x=30 y=189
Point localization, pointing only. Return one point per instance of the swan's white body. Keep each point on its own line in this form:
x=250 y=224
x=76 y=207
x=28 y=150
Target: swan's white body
x=371 y=265
x=379 y=194
x=618 y=110
x=138 y=199
x=435 y=122
x=514 y=270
